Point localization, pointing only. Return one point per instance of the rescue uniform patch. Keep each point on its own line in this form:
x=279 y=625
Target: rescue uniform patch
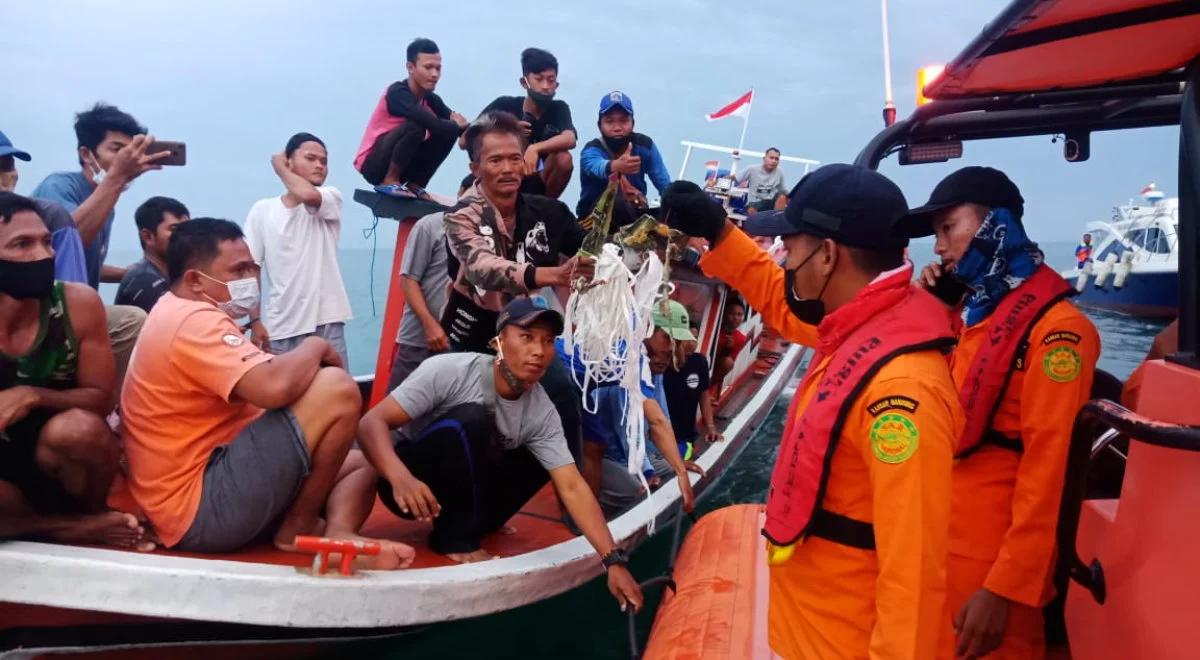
x=1062 y=364
x=894 y=437
x=892 y=403
x=1061 y=335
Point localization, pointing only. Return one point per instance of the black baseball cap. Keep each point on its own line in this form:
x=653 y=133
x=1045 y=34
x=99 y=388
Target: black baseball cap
x=986 y=186
x=852 y=205
x=523 y=312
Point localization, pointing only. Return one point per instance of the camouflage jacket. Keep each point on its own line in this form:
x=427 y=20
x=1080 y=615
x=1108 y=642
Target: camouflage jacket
x=490 y=255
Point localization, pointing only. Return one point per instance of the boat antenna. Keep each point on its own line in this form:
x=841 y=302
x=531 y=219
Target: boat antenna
x=889 y=108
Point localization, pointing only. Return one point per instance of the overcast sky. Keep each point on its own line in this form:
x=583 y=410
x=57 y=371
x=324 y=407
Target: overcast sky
x=234 y=79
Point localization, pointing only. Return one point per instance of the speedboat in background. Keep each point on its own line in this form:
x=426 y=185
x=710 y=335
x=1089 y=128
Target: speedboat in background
x=1135 y=259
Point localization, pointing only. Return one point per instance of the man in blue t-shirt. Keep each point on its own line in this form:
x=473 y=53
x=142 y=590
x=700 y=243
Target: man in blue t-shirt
x=111 y=153
x=69 y=263
x=606 y=444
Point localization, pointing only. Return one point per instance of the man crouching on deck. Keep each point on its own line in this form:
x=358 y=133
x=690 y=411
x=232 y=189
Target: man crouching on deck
x=479 y=437
x=228 y=444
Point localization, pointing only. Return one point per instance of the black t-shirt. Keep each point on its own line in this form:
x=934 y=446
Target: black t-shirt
x=555 y=119
x=683 y=389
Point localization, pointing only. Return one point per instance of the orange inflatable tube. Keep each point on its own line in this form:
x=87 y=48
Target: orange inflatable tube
x=719 y=611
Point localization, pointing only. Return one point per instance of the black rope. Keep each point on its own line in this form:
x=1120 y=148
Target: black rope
x=666 y=579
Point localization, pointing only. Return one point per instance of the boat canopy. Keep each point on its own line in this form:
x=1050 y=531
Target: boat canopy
x=1045 y=45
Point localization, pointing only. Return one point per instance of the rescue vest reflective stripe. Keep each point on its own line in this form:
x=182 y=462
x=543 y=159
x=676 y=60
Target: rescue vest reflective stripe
x=893 y=318
x=999 y=355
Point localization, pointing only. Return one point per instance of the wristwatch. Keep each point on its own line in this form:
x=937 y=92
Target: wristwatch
x=616 y=557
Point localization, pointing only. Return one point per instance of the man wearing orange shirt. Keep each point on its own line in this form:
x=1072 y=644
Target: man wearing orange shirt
x=859 y=503
x=1023 y=367
x=227 y=444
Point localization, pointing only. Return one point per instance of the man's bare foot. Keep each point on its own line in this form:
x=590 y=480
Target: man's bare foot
x=508 y=530
x=470 y=557
x=392 y=554
x=120 y=530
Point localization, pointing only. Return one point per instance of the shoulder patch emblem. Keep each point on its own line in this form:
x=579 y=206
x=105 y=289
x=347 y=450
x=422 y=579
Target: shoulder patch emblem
x=892 y=403
x=894 y=437
x=233 y=341
x=1062 y=364
x=1061 y=335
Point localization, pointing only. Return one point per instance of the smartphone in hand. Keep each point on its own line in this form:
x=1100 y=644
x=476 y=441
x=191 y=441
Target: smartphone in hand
x=177 y=152
x=949 y=290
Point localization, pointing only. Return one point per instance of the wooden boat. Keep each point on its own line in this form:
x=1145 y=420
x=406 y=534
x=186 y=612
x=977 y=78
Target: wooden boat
x=1128 y=543
x=66 y=600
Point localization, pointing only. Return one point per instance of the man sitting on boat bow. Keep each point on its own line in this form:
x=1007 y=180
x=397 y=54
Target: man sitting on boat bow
x=859 y=503
x=228 y=444
x=480 y=437
x=58 y=456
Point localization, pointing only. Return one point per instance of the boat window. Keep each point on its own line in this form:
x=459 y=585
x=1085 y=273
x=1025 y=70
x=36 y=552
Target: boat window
x=1115 y=248
x=1151 y=239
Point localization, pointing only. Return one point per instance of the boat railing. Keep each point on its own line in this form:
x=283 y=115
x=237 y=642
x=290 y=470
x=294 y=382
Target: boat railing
x=1084 y=450
x=689 y=146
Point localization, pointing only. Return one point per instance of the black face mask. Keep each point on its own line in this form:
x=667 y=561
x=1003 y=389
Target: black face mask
x=539 y=99
x=808 y=310
x=25 y=280
x=617 y=145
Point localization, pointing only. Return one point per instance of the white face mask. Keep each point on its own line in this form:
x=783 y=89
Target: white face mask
x=243 y=296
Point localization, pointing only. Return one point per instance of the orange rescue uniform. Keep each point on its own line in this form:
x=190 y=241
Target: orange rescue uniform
x=1005 y=502
x=834 y=601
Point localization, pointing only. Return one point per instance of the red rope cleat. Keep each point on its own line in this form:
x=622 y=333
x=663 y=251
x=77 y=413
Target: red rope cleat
x=322 y=547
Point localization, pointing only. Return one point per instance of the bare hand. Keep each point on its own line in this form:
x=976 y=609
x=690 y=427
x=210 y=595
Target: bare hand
x=526 y=128
x=459 y=119
x=624 y=588
x=15 y=404
x=930 y=275
x=279 y=163
x=632 y=194
x=132 y=160
x=531 y=161
x=711 y=434
x=685 y=485
x=626 y=163
x=575 y=268
x=415 y=498
x=259 y=336
x=436 y=339
x=980 y=624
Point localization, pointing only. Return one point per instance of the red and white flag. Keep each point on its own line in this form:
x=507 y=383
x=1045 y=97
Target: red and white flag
x=739 y=108
x=1149 y=189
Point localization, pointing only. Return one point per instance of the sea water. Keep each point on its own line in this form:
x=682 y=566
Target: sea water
x=585 y=622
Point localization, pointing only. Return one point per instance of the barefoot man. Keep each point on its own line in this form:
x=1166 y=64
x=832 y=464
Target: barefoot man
x=57 y=455
x=228 y=444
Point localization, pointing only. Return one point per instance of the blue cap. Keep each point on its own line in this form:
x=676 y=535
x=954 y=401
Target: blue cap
x=614 y=99
x=7 y=149
x=852 y=205
x=523 y=312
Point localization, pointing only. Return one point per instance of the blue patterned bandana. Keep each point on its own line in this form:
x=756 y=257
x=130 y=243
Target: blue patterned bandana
x=1001 y=256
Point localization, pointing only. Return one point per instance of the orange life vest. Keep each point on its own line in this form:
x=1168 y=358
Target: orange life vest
x=1002 y=353
x=888 y=318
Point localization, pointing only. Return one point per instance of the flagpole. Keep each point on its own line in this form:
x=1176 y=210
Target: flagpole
x=742 y=139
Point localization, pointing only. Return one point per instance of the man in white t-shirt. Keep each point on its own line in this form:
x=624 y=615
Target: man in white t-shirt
x=294 y=237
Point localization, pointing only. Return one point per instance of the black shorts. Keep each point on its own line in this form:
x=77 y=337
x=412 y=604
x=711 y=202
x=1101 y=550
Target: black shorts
x=18 y=465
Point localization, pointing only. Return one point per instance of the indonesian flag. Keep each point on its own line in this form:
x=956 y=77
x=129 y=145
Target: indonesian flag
x=1148 y=189
x=739 y=108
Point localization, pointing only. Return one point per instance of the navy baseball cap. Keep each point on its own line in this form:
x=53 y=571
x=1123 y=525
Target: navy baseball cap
x=523 y=312
x=7 y=149
x=985 y=186
x=616 y=99
x=852 y=205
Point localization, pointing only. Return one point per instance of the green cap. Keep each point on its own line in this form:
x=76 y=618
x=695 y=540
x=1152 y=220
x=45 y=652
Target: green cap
x=675 y=321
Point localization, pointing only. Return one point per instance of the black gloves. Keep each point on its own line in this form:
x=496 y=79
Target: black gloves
x=686 y=207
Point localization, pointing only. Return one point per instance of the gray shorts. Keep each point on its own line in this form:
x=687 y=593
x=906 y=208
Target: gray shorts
x=249 y=484
x=334 y=333
x=408 y=358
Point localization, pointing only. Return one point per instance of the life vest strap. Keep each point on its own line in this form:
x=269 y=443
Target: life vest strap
x=840 y=529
